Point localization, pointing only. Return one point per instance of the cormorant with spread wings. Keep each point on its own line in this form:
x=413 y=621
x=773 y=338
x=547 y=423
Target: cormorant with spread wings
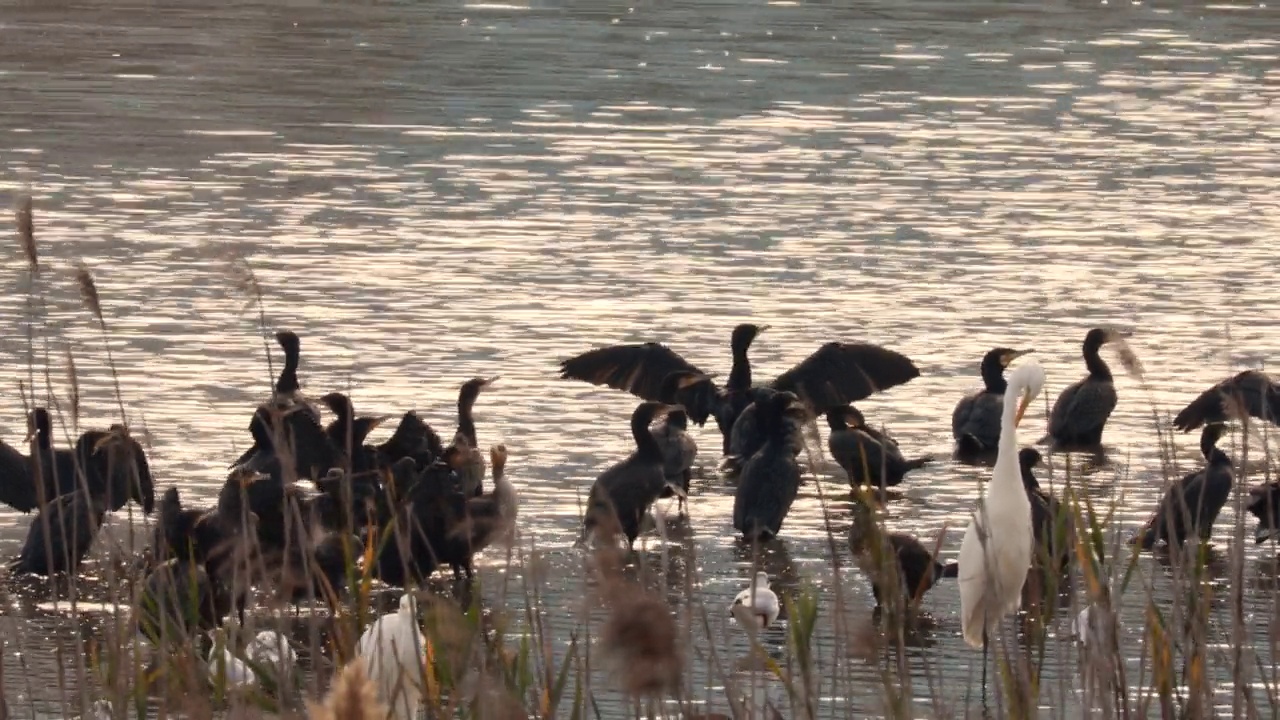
x=836 y=374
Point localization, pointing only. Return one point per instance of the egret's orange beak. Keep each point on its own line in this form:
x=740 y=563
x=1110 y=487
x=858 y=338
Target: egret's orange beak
x=1022 y=408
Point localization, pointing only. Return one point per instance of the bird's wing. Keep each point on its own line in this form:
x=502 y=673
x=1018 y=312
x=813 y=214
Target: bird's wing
x=1082 y=407
x=837 y=374
x=1255 y=390
x=640 y=370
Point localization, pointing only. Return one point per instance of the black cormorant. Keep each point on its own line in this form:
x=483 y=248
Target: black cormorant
x=1264 y=504
x=868 y=456
x=17 y=490
x=916 y=568
x=770 y=479
x=472 y=471
x=110 y=464
x=348 y=433
x=1082 y=409
x=835 y=374
x=623 y=493
x=678 y=450
x=73 y=522
x=1255 y=391
x=1191 y=505
x=975 y=423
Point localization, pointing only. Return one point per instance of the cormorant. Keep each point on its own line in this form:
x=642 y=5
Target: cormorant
x=623 y=493
x=975 y=423
x=1046 y=512
x=175 y=532
x=678 y=451
x=835 y=374
x=491 y=517
x=73 y=522
x=17 y=490
x=348 y=433
x=1082 y=409
x=916 y=568
x=1255 y=391
x=771 y=478
x=1191 y=505
x=288 y=445
x=868 y=456
x=472 y=471
x=110 y=464
x=177 y=601
x=1264 y=504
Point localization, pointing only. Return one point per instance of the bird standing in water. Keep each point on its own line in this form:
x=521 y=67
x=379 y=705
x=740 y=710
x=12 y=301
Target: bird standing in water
x=1082 y=409
x=623 y=493
x=771 y=478
x=996 y=551
x=834 y=374
x=1191 y=505
x=868 y=456
x=975 y=423
x=472 y=470
x=757 y=604
x=1254 y=391
x=393 y=650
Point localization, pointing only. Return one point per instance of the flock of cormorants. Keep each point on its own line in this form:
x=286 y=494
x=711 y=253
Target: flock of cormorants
x=308 y=501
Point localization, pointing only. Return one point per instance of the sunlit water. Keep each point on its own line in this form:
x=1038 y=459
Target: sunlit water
x=430 y=193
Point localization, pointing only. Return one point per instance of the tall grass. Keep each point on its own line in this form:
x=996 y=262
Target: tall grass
x=502 y=648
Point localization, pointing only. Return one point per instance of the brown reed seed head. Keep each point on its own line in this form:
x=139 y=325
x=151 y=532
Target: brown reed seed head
x=88 y=290
x=352 y=697
x=26 y=231
x=641 y=639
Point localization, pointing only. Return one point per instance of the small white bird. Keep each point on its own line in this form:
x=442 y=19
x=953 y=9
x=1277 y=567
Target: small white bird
x=223 y=663
x=271 y=649
x=393 y=649
x=758 y=603
x=996 y=551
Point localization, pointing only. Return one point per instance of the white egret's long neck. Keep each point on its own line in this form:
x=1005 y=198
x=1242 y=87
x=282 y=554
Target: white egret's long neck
x=1007 y=457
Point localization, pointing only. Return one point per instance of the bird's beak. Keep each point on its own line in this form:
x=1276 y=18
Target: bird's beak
x=761 y=328
x=491 y=381
x=1019 y=353
x=376 y=421
x=1022 y=407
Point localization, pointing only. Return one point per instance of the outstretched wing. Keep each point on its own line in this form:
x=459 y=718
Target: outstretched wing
x=841 y=373
x=641 y=370
x=1255 y=390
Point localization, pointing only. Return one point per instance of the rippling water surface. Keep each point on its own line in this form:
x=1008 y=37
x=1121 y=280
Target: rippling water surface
x=434 y=191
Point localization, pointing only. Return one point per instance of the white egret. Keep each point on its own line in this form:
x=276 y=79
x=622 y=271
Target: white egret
x=997 y=547
x=757 y=604
x=393 y=650
x=235 y=672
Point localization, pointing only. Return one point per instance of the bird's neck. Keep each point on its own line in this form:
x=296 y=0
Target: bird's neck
x=646 y=444
x=1098 y=368
x=1007 y=458
x=466 y=423
x=993 y=377
x=740 y=373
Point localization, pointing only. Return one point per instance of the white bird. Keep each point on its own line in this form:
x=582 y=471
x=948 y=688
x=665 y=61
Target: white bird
x=223 y=663
x=270 y=648
x=997 y=546
x=393 y=650
x=758 y=603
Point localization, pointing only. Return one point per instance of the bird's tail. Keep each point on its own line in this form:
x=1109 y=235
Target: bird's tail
x=951 y=570
x=732 y=465
x=970 y=445
x=919 y=462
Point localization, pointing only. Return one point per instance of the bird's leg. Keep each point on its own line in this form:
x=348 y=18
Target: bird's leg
x=985 y=643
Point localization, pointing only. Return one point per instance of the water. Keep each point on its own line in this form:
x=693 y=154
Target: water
x=430 y=192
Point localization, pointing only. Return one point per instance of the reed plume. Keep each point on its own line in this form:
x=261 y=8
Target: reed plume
x=352 y=697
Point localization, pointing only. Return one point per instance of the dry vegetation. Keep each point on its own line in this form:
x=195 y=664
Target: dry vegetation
x=1197 y=654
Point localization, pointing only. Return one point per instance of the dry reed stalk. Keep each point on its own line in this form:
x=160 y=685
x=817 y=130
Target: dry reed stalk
x=352 y=697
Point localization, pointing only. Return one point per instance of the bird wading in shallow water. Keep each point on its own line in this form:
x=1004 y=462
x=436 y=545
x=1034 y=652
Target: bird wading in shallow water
x=1083 y=407
x=835 y=374
x=771 y=478
x=868 y=456
x=758 y=604
x=1254 y=392
x=975 y=423
x=996 y=551
x=1191 y=505
x=623 y=493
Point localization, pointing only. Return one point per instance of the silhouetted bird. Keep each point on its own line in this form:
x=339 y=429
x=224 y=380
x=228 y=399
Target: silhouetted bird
x=1082 y=409
x=623 y=493
x=73 y=522
x=868 y=456
x=1191 y=505
x=771 y=478
x=885 y=557
x=975 y=423
x=1254 y=391
x=835 y=374
x=472 y=470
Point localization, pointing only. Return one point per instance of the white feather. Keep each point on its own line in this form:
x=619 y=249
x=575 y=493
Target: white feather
x=393 y=650
x=271 y=649
x=996 y=552
x=758 y=602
